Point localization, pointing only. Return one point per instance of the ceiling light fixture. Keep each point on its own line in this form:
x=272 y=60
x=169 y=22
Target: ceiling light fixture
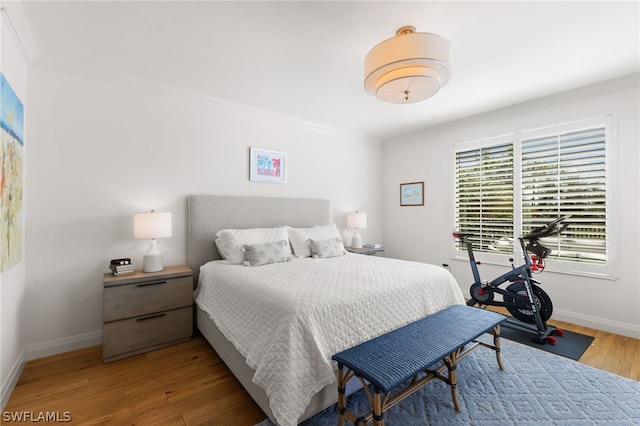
x=409 y=67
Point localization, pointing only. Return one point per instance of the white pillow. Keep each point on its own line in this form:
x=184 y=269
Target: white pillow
x=262 y=254
x=327 y=248
x=230 y=241
x=299 y=237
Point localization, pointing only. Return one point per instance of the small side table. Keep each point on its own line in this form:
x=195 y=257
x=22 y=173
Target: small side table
x=146 y=311
x=367 y=251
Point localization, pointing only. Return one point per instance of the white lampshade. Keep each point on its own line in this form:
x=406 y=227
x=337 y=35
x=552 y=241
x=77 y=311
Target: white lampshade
x=152 y=225
x=357 y=220
x=409 y=67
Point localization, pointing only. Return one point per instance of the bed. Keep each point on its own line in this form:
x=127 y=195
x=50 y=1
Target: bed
x=277 y=324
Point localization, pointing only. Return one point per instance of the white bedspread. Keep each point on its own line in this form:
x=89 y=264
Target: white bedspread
x=288 y=319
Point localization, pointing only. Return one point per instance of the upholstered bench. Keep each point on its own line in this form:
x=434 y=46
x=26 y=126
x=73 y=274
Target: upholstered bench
x=392 y=359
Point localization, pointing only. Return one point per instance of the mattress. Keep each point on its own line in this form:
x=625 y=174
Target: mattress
x=288 y=319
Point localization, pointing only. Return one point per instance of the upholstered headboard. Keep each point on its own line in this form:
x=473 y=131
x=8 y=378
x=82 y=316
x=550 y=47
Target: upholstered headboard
x=210 y=213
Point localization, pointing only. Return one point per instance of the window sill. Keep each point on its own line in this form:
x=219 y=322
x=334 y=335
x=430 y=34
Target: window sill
x=603 y=272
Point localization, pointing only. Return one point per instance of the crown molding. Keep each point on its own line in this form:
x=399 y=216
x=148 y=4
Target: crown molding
x=51 y=64
x=14 y=16
x=625 y=82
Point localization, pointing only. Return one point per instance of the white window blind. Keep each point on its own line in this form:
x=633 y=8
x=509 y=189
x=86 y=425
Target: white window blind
x=484 y=196
x=566 y=174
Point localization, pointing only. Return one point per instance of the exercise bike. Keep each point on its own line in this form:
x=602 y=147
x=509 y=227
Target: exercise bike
x=530 y=306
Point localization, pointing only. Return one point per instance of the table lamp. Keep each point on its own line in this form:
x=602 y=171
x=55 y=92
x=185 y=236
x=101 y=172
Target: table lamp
x=357 y=220
x=152 y=225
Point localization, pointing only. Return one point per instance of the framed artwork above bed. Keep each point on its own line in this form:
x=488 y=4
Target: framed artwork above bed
x=267 y=166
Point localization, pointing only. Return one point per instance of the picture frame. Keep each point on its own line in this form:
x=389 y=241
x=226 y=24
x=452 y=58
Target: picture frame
x=412 y=194
x=267 y=166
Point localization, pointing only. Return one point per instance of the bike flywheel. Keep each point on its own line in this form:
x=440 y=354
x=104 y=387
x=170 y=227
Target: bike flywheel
x=525 y=314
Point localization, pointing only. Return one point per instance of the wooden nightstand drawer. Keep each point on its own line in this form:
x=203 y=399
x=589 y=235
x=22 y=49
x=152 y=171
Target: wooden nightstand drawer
x=156 y=295
x=137 y=335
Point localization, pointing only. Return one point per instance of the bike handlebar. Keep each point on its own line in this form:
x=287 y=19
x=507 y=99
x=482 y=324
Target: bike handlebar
x=548 y=229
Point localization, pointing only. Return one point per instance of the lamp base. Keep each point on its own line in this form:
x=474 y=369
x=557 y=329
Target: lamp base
x=152 y=261
x=356 y=240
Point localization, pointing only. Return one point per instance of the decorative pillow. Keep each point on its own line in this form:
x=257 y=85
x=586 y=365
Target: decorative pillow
x=262 y=254
x=299 y=237
x=230 y=241
x=327 y=248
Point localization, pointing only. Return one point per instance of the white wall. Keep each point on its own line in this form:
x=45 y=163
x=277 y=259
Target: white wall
x=12 y=280
x=100 y=151
x=424 y=233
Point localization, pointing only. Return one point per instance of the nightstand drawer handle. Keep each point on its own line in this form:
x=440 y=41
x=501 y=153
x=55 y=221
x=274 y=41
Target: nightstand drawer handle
x=151 y=317
x=153 y=283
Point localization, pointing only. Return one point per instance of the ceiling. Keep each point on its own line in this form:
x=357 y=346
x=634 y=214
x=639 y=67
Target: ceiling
x=304 y=59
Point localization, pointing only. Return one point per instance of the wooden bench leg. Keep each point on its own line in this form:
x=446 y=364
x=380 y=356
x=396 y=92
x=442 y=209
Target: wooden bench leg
x=378 y=420
x=341 y=395
x=452 y=365
x=496 y=344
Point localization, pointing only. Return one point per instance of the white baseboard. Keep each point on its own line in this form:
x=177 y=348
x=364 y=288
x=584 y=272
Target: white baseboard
x=44 y=349
x=12 y=379
x=610 y=326
x=66 y=344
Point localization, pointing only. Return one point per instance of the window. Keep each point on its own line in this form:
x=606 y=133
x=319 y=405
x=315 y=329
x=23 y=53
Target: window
x=507 y=186
x=484 y=195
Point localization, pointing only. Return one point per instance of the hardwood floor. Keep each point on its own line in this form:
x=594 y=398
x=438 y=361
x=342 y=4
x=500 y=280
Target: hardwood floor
x=188 y=384
x=609 y=352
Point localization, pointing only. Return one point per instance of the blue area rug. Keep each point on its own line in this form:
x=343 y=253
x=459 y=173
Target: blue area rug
x=535 y=388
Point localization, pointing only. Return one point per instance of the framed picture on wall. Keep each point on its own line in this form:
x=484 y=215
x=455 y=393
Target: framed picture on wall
x=267 y=166
x=11 y=176
x=412 y=194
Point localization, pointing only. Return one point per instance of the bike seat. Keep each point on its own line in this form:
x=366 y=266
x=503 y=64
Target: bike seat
x=462 y=235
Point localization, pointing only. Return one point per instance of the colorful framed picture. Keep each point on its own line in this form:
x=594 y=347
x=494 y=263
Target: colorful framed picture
x=11 y=175
x=267 y=166
x=412 y=194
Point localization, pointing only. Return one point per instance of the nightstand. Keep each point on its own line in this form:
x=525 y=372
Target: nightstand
x=367 y=250
x=146 y=311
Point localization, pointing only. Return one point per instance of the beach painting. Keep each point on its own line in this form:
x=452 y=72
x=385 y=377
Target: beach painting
x=11 y=176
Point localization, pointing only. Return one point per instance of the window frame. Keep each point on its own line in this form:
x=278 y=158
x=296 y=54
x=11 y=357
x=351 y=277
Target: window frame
x=603 y=270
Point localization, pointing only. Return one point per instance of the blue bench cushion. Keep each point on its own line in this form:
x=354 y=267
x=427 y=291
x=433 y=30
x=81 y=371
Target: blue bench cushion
x=389 y=360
